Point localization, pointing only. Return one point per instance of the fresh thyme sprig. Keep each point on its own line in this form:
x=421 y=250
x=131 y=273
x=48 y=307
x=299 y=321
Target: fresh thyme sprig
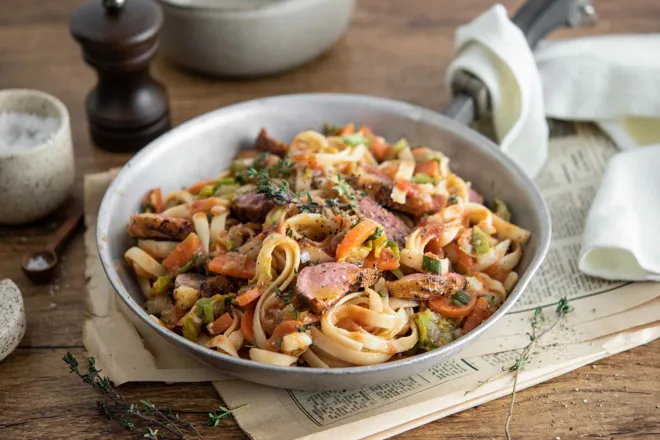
x=284 y=296
x=224 y=412
x=144 y=418
x=281 y=193
x=343 y=188
x=563 y=309
x=283 y=168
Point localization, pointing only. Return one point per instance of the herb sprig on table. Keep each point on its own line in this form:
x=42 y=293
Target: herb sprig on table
x=538 y=330
x=144 y=418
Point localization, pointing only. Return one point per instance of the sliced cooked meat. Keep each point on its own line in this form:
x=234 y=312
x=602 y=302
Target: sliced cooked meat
x=475 y=197
x=192 y=280
x=320 y=287
x=379 y=186
x=266 y=143
x=217 y=285
x=158 y=226
x=395 y=228
x=423 y=286
x=252 y=207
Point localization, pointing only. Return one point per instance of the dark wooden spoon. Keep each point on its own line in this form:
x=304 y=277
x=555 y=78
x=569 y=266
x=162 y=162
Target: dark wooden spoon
x=39 y=266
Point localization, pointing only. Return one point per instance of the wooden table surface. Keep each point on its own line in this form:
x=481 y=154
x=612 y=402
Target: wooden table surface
x=394 y=48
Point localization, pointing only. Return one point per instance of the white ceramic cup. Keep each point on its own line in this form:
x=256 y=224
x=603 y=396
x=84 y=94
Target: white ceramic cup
x=35 y=181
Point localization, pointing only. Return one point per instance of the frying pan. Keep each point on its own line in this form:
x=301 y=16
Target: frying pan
x=205 y=145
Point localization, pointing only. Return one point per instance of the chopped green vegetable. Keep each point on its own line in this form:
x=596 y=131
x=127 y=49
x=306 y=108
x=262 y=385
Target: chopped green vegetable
x=186 y=267
x=205 y=309
x=225 y=181
x=227 y=243
x=158 y=305
x=400 y=145
x=220 y=303
x=162 y=285
x=501 y=210
x=426 y=157
x=431 y=265
x=423 y=178
x=237 y=166
x=434 y=330
x=207 y=191
x=394 y=246
x=358 y=254
x=190 y=326
x=480 y=240
x=461 y=298
x=397 y=273
x=377 y=233
x=356 y=139
x=452 y=200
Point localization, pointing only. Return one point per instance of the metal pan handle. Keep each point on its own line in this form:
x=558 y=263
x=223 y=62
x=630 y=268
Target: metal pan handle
x=536 y=18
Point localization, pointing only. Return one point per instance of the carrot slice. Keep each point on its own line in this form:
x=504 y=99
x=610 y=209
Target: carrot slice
x=248 y=297
x=349 y=129
x=153 y=201
x=183 y=253
x=418 y=152
x=480 y=313
x=284 y=328
x=378 y=147
x=221 y=324
x=355 y=237
x=404 y=185
x=446 y=307
x=234 y=265
x=431 y=168
x=386 y=261
x=246 y=325
x=196 y=188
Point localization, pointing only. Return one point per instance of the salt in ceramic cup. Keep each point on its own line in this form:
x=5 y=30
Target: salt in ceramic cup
x=36 y=180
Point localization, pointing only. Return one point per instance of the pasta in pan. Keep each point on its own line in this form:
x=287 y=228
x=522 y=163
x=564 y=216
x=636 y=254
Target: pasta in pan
x=338 y=249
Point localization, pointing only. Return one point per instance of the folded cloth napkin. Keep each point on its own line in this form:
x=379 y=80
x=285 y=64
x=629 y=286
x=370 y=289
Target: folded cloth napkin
x=496 y=51
x=613 y=81
x=621 y=237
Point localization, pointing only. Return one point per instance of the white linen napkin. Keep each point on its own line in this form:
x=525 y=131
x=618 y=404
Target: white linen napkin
x=613 y=81
x=495 y=50
x=621 y=236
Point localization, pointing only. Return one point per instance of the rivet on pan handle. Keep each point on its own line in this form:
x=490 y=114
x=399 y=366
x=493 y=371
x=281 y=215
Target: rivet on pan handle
x=536 y=18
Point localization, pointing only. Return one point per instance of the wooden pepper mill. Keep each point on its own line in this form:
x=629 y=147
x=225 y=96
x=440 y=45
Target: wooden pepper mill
x=127 y=108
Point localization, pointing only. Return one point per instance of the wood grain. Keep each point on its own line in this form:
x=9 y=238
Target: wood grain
x=394 y=48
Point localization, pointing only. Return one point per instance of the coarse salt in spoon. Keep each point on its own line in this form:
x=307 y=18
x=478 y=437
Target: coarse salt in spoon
x=40 y=265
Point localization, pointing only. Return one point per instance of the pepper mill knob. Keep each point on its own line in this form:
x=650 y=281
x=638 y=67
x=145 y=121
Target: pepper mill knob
x=127 y=109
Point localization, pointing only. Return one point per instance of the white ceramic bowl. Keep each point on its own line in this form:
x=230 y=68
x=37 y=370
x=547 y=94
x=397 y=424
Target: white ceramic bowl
x=35 y=181
x=261 y=37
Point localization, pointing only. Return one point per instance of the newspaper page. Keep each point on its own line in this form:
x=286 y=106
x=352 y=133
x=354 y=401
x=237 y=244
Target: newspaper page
x=603 y=311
